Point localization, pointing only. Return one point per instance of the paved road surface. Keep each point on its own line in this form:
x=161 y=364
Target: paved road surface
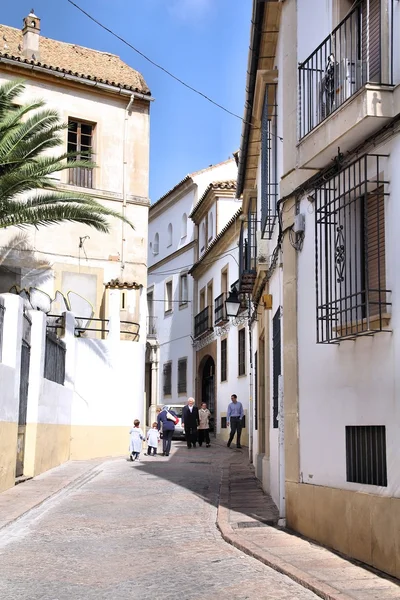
x=144 y=530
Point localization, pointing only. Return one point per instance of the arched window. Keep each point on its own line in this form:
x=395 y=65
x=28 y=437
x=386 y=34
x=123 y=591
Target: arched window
x=203 y=237
x=210 y=226
x=169 y=235
x=184 y=226
x=156 y=245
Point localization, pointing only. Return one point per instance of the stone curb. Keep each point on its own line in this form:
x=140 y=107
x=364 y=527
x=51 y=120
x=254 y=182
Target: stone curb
x=64 y=486
x=320 y=588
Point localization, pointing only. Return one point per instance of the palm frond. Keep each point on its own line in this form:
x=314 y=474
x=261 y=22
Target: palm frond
x=43 y=216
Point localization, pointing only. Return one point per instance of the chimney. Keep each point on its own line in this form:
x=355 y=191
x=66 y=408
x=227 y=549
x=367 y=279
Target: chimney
x=31 y=37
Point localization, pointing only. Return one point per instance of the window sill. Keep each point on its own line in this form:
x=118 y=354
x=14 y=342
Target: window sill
x=359 y=327
x=183 y=305
x=242 y=375
x=168 y=312
x=182 y=393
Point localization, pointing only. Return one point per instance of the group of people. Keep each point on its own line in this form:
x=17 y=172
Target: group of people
x=196 y=425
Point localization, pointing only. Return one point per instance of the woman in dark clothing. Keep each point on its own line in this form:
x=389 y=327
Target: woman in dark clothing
x=168 y=428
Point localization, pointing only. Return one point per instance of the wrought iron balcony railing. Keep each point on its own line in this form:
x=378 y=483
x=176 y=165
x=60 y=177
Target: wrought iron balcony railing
x=351 y=56
x=220 y=315
x=248 y=255
x=203 y=322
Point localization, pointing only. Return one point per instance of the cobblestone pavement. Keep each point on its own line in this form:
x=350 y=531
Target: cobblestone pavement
x=135 y=530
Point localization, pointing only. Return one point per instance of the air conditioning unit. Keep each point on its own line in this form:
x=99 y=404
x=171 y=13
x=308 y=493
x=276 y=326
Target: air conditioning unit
x=341 y=80
x=262 y=249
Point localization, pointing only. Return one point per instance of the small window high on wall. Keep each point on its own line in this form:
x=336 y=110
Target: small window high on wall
x=184 y=226
x=210 y=226
x=156 y=245
x=169 y=235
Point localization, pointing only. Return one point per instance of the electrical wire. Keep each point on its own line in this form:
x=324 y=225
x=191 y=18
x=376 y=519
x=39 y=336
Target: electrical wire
x=210 y=262
x=158 y=66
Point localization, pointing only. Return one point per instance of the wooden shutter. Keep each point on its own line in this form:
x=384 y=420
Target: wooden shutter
x=182 y=376
x=223 y=360
x=371 y=38
x=376 y=250
x=167 y=379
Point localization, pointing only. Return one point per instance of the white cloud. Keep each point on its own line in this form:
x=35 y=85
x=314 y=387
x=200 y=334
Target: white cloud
x=188 y=10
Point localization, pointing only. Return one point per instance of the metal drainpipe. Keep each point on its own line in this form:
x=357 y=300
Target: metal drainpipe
x=131 y=100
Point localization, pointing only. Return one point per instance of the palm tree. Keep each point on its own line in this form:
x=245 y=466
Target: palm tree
x=29 y=195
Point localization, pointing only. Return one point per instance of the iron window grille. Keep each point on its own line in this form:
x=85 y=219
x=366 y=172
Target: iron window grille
x=248 y=253
x=269 y=162
x=203 y=322
x=167 y=375
x=366 y=454
x=80 y=142
x=220 y=315
x=276 y=364
x=182 y=376
x=351 y=293
x=344 y=62
x=242 y=352
x=224 y=360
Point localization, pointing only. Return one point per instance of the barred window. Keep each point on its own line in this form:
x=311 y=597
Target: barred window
x=269 y=171
x=366 y=454
x=242 y=352
x=80 y=142
x=276 y=364
x=183 y=289
x=167 y=374
x=352 y=295
x=224 y=360
x=182 y=376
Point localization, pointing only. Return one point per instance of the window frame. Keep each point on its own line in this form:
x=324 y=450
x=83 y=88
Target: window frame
x=170 y=234
x=168 y=303
x=183 y=303
x=167 y=371
x=224 y=360
x=242 y=352
x=180 y=390
x=75 y=173
x=156 y=244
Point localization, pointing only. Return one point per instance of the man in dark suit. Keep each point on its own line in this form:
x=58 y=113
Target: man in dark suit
x=190 y=421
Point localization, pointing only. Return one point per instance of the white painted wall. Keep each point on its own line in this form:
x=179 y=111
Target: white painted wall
x=314 y=23
x=354 y=382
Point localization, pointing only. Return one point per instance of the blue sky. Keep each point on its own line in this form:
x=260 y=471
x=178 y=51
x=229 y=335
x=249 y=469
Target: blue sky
x=204 y=42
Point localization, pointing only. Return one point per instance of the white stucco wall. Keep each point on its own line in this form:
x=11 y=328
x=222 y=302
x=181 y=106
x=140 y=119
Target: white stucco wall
x=314 y=23
x=354 y=382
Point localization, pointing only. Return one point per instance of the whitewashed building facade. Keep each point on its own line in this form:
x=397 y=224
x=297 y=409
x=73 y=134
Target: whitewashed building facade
x=172 y=252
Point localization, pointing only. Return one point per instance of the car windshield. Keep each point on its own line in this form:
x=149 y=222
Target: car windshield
x=177 y=410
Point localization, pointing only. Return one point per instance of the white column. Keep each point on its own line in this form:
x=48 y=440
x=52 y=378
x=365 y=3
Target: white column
x=12 y=340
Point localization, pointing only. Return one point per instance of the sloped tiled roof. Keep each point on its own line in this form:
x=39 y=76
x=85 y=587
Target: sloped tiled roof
x=74 y=60
x=215 y=185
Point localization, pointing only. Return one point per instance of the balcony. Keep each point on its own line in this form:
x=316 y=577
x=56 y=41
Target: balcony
x=220 y=316
x=347 y=80
x=203 y=322
x=248 y=255
x=151 y=327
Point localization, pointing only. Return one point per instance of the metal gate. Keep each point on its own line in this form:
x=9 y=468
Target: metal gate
x=23 y=393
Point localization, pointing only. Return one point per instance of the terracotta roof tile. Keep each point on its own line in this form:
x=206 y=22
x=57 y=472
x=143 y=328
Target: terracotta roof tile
x=74 y=60
x=215 y=185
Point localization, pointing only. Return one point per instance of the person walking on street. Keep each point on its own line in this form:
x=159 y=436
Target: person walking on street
x=204 y=426
x=168 y=427
x=135 y=446
x=234 y=419
x=153 y=436
x=190 y=422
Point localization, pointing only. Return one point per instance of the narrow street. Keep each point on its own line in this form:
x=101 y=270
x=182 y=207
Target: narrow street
x=135 y=530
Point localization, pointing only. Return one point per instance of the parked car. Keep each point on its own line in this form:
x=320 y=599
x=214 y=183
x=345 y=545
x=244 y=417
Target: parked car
x=178 y=408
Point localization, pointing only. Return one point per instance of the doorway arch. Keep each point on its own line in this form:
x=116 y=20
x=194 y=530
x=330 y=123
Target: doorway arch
x=207 y=387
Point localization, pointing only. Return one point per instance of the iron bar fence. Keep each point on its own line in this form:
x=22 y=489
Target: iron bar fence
x=358 y=51
x=269 y=162
x=128 y=329
x=2 y=311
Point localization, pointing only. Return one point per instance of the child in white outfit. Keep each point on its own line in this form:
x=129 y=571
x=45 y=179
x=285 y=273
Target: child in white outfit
x=153 y=436
x=137 y=437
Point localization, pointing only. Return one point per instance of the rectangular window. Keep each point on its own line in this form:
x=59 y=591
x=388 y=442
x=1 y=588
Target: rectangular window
x=80 y=142
x=269 y=162
x=167 y=375
x=224 y=360
x=352 y=298
x=183 y=289
x=366 y=454
x=168 y=296
x=242 y=352
x=202 y=299
x=182 y=376
x=276 y=364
